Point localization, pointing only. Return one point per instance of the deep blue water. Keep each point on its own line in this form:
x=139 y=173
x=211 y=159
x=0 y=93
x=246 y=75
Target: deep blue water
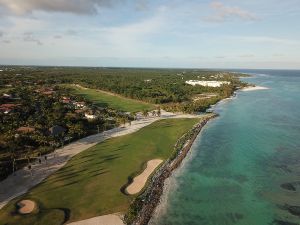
x=244 y=168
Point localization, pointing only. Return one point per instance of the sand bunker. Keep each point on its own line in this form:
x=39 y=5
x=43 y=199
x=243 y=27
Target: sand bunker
x=255 y=88
x=139 y=182
x=26 y=206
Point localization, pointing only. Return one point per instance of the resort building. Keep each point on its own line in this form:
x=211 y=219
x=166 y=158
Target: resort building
x=209 y=83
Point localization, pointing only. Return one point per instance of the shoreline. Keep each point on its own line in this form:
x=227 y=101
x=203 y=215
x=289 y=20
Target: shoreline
x=254 y=88
x=143 y=207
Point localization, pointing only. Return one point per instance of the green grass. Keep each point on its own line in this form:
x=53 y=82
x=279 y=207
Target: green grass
x=89 y=184
x=103 y=99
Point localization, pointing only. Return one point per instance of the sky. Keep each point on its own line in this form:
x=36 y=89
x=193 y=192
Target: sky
x=151 y=33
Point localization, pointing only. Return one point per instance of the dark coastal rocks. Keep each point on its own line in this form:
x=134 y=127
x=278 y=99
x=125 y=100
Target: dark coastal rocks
x=295 y=210
x=291 y=186
x=281 y=222
x=288 y=186
x=292 y=209
x=142 y=208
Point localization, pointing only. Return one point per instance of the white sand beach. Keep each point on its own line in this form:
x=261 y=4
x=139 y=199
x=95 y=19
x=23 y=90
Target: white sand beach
x=110 y=219
x=254 y=88
x=139 y=182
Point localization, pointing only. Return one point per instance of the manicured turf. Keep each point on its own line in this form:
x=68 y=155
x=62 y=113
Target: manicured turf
x=89 y=185
x=103 y=99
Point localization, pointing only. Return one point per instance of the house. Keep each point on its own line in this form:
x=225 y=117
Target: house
x=7 y=108
x=90 y=116
x=79 y=105
x=25 y=129
x=66 y=100
x=45 y=91
x=79 y=111
x=57 y=130
x=48 y=92
x=7 y=96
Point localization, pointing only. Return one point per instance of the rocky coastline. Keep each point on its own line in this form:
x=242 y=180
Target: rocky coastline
x=142 y=208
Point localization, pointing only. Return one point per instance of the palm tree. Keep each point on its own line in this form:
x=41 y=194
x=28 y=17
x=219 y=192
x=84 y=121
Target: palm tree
x=145 y=113
x=123 y=121
x=133 y=115
x=158 y=113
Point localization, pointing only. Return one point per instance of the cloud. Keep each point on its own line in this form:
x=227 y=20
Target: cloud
x=278 y=55
x=28 y=37
x=1 y=34
x=142 y=5
x=221 y=57
x=247 y=56
x=71 y=32
x=21 y=7
x=265 y=39
x=223 y=13
x=57 y=36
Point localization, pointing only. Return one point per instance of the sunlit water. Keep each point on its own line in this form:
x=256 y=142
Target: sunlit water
x=234 y=173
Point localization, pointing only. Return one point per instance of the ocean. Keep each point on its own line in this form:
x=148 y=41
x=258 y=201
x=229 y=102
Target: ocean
x=244 y=167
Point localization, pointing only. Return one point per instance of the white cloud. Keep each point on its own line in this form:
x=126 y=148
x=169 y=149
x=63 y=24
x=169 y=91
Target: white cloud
x=223 y=13
x=71 y=32
x=247 y=56
x=131 y=39
x=28 y=37
x=57 y=36
x=20 y=7
x=266 y=39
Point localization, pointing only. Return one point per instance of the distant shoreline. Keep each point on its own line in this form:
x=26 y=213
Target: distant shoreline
x=254 y=88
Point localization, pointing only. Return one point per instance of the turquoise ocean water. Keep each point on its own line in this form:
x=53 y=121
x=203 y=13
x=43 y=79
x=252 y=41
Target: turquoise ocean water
x=244 y=168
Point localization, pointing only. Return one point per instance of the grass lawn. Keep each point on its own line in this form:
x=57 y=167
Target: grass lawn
x=89 y=184
x=103 y=99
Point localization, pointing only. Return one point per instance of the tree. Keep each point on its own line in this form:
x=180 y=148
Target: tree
x=145 y=113
x=76 y=130
x=158 y=112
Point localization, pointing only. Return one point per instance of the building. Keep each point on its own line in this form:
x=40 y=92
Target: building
x=66 y=100
x=26 y=129
x=79 y=105
x=7 y=108
x=209 y=83
x=90 y=116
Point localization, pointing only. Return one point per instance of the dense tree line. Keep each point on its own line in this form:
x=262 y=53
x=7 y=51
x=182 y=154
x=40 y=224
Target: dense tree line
x=158 y=86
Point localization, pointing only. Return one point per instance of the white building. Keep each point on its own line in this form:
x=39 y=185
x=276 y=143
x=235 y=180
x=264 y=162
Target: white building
x=208 y=83
x=90 y=116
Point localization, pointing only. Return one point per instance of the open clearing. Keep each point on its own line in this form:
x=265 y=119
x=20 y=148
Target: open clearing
x=89 y=184
x=106 y=99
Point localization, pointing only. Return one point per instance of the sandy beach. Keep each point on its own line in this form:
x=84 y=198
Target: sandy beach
x=139 y=182
x=110 y=219
x=255 y=88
